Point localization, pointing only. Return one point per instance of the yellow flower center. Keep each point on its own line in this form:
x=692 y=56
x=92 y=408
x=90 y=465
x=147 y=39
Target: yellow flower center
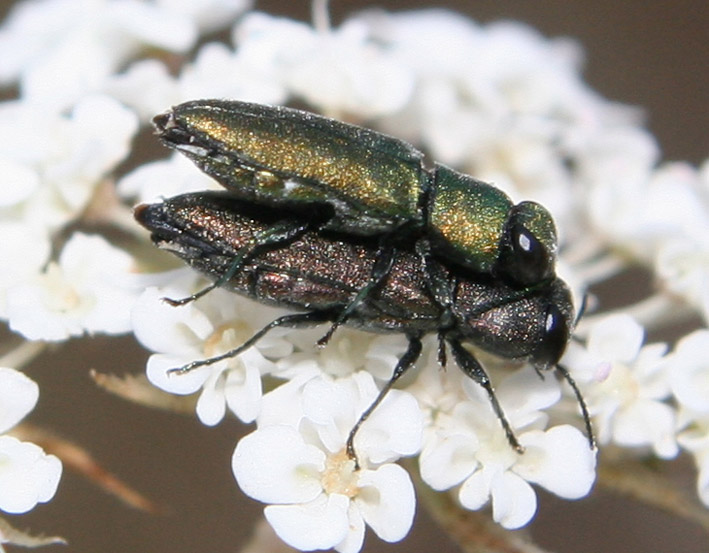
x=226 y=337
x=340 y=475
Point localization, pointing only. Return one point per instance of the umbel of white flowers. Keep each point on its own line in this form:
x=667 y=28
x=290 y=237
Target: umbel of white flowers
x=498 y=101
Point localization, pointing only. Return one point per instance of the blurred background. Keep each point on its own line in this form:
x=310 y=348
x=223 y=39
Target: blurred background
x=650 y=54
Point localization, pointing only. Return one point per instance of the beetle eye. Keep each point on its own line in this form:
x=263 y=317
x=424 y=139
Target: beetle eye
x=553 y=342
x=524 y=258
x=529 y=259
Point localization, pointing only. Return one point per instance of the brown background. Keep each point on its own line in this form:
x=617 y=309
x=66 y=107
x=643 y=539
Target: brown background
x=652 y=54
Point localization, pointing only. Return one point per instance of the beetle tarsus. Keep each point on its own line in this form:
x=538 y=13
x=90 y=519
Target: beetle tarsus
x=297 y=320
x=189 y=299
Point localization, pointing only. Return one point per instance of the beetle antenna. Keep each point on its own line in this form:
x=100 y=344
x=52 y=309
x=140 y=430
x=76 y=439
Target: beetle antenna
x=582 y=308
x=563 y=371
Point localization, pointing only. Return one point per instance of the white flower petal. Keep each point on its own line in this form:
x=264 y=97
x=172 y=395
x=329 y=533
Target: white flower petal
x=617 y=337
x=243 y=391
x=331 y=405
x=210 y=15
x=147 y=87
x=355 y=536
x=448 y=460
x=513 y=500
x=690 y=371
x=559 y=459
x=387 y=502
x=25 y=250
x=383 y=354
x=475 y=491
x=283 y=405
x=320 y=524
x=682 y=264
x=395 y=429
x=163 y=328
x=19 y=182
x=29 y=310
x=523 y=394
x=647 y=422
x=18 y=396
x=27 y=475
x=158 y=373
x=90 y=150
x=211 y=405
x=274 y=465
x=151 y=182
x=88 y=290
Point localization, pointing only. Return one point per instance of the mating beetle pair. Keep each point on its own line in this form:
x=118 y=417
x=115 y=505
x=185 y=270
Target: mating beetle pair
x=356 y=181
x=477 y=267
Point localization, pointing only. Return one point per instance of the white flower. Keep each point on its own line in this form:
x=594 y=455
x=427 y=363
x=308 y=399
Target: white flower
x=18 y=396
x=24 y=250
x=683 y=265
x=467 y=446
x=209 y=15
x=658 y=215
x=146 y=86
x=210 y=326
x=628 y=384
x=689 y=372
x=89 y=289
x=54 y=162
x=318 y=499
x=347 y=352
x=695 y=439
x=335 y=70
x=27 y=475
x=219 y=72
x=61 y=50
x=156 y=180
x=689 y=379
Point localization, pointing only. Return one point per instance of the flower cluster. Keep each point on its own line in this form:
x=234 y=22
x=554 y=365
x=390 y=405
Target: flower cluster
x=497 y=101
x=27 y=475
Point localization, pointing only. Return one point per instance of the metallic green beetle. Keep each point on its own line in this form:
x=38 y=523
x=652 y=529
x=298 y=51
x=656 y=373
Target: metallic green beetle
x=352 y=180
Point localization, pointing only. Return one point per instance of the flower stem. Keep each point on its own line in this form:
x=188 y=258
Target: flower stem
x=635 y=479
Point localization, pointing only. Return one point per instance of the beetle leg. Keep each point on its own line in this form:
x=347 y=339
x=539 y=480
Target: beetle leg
x=296 y=320
x=406 y=361
x=438 y=282
x=564 y=372
x=382 y=266
x=442 y=357
x=472 y=368
x=278 y=234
